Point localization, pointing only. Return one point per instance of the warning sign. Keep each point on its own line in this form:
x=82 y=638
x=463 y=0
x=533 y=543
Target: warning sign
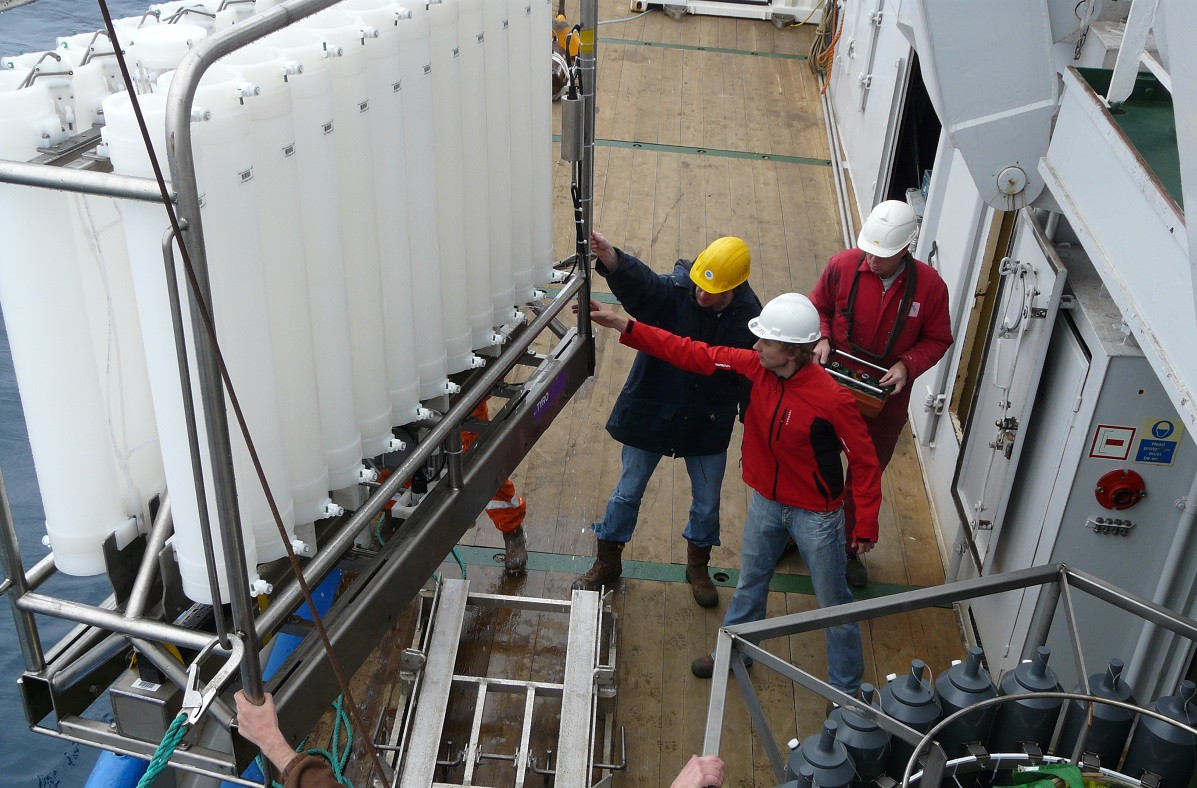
x=1112 y=442
x=1158 y=444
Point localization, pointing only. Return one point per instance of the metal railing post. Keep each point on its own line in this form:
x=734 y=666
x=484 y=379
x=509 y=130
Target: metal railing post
x=10 y=554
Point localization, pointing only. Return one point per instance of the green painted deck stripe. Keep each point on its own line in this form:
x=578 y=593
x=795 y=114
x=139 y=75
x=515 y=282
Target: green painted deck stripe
x=727 y=154
x=692 y=48
x=664 y=573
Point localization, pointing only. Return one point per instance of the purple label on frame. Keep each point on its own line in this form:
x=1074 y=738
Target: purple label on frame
x=550 y=396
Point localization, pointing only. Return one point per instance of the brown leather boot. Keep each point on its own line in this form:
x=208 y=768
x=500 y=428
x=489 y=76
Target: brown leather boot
x=606 y=570
x=699 y=577
x=515 y=552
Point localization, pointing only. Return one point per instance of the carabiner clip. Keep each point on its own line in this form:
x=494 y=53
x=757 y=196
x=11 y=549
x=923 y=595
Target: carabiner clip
x=196 y=700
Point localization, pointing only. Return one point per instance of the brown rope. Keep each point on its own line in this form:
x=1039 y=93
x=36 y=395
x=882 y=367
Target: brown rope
x=210 y=329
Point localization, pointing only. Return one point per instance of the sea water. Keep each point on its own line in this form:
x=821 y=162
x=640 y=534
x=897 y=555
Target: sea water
x=27 y=758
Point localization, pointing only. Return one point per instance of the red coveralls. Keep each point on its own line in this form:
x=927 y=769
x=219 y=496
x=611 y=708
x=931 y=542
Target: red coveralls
x=506 y=509
x=925 y=337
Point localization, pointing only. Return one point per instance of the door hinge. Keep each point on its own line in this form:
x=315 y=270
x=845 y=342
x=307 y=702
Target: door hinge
x=875 y=18
x=935 y=403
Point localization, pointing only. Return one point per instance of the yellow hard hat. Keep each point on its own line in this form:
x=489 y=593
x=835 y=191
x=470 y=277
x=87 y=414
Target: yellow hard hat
x=722 y=266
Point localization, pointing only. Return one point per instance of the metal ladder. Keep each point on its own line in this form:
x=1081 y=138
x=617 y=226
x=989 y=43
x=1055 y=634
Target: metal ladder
x=587 y=692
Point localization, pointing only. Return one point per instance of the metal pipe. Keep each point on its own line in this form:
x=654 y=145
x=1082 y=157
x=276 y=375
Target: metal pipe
x=14 y=571
x=149 y=561
x=174 y=670
x=82 y=660
x=197 y=469
x=793 y=623
x=453 y=460
x=102 y=184
x=1163 y=587
x=81 y=639
x=1041 y=619
x=42 y=571
x=179 y=102
x=288 y=598
x=588 y=75
x=112 y=621
x=35 y=576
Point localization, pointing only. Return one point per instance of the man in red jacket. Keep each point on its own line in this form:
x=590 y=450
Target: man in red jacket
x=797 y=424
x=878 y=303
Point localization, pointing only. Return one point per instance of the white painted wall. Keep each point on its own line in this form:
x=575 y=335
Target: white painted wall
x=868 y=89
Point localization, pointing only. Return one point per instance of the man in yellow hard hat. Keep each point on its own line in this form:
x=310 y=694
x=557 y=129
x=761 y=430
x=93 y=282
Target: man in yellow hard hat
x=663 y=411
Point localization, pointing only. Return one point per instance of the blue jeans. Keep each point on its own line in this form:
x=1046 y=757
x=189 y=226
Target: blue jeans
x=820 y=539
x=706 y=479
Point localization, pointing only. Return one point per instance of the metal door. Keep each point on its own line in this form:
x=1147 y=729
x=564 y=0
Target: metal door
x=1032 y=281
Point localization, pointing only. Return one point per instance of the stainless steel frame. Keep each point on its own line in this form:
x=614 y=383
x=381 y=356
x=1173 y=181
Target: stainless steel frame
x=1057 y=582
x=392 y=577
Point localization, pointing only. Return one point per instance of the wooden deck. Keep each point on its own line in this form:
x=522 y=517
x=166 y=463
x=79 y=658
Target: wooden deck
x=657 y=89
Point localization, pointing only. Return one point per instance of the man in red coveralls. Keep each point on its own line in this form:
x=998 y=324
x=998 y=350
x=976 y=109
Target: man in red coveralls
x=878 y=303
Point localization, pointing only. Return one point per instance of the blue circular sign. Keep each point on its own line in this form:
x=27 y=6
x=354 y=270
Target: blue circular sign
x=1162 y=429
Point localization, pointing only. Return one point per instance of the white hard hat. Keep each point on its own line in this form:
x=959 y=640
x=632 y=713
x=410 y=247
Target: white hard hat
x=790 y=317
x=888 y=230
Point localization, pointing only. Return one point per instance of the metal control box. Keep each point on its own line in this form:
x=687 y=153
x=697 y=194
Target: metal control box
x=1104 y=464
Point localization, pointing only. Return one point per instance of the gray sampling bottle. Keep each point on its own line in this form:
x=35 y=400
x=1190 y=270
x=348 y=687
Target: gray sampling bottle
x=1164 y=749
x=908 y=699
x=1111 y=725
x=804 y=779
x=828 y=759
x=1027 y=719
x=962 y=685
x=867 y=742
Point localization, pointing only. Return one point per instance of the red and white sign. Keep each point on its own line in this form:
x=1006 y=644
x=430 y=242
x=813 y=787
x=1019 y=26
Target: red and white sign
x=1112 y=442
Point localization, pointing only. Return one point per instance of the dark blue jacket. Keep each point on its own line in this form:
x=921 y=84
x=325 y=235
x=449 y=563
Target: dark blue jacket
x=661 y=408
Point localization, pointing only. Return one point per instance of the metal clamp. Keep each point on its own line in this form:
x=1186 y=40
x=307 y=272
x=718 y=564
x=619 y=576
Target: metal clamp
x=195 y=700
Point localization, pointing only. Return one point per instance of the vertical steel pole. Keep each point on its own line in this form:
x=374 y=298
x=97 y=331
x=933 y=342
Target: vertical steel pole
x=179 y=102
x=10 y=554
x=588 y=70
x=1041 y=618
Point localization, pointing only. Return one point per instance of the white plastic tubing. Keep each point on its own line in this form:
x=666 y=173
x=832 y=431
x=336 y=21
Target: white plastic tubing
x=375 y=190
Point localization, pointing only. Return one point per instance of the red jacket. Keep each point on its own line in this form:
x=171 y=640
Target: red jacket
x=794 y=429
x=926 y=335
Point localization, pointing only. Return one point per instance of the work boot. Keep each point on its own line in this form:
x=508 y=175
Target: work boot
x=856 y=573
x=699 y=576
x=606 y=570
x=704 y=666
x=515 y=551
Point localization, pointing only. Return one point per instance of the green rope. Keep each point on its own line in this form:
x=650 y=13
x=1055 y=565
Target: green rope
x=378 y=529
x=338 y=752
x=460 y=563
x=174 y=735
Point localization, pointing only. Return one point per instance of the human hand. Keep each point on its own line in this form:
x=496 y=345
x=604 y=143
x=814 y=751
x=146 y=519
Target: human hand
x=822 y=351
x=896 y=377
x=603 y=249
x=700 y=772
x=859 y=547
x=259 y=725
x=606 y=316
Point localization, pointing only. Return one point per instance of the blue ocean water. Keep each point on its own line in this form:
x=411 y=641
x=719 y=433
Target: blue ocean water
x=26 y=758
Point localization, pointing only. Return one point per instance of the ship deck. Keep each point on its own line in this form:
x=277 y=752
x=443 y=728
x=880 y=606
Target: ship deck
x=706 y=127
